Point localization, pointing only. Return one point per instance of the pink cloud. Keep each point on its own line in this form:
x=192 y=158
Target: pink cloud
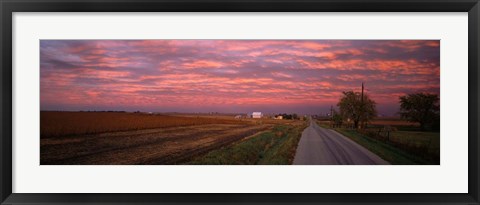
x=203 y=64
x=219 y=73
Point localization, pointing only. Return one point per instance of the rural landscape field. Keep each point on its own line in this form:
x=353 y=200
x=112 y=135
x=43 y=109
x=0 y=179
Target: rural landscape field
x=141 y=138
x=239 y=102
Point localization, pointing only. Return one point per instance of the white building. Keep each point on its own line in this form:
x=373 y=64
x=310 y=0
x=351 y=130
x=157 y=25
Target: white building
x=257 y=115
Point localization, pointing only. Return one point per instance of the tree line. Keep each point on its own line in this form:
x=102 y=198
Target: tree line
x=357 y=109
x=286 y=116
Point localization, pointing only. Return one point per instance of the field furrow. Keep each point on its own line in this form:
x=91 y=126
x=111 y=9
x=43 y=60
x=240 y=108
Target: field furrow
x=152 y=146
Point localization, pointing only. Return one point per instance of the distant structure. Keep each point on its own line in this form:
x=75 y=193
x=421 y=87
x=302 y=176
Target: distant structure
x=257 y=115
x=238 y=116
x=278 y=117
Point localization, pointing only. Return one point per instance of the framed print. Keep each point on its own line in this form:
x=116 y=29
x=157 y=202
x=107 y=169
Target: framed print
x=253 y=102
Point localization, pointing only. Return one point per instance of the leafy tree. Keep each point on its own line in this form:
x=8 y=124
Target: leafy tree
x=354 y=108
x=423 y=108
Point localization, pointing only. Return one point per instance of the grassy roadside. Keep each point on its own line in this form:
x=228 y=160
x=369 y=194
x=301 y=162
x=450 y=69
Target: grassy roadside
x=276 y=146
x=383 y=150
x=323 y=124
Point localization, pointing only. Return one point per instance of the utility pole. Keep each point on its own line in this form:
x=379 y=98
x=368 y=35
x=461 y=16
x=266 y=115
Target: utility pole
x=331 y=111
x=362 y=106
x=362 y=94
x=331 y=116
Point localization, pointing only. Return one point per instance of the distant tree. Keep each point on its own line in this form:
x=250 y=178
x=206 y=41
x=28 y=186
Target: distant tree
x=359 y=110
x=295 y=116
x=287 y=116
x=423 y=108
x=337 y=119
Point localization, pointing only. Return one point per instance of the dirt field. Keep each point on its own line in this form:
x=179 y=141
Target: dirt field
x=54 y=124
x=167 y=144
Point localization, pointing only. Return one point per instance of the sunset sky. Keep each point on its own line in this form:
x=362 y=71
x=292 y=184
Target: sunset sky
x=232 y=76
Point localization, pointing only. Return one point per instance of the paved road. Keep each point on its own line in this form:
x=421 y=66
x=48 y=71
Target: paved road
x=325 y=146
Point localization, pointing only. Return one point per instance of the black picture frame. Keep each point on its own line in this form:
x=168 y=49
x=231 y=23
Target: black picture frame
x=7 y=7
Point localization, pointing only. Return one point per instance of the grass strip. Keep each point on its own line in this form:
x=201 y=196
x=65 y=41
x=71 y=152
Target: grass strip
x=274 y=147
x=383 y=150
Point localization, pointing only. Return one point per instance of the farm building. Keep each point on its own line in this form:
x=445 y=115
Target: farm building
x=278 y=117
x=257 y=115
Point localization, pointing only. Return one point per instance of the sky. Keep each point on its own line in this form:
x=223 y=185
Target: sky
x=232 y=76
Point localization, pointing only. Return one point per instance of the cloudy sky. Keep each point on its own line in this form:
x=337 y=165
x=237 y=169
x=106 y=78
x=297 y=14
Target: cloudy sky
x=271 y=76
